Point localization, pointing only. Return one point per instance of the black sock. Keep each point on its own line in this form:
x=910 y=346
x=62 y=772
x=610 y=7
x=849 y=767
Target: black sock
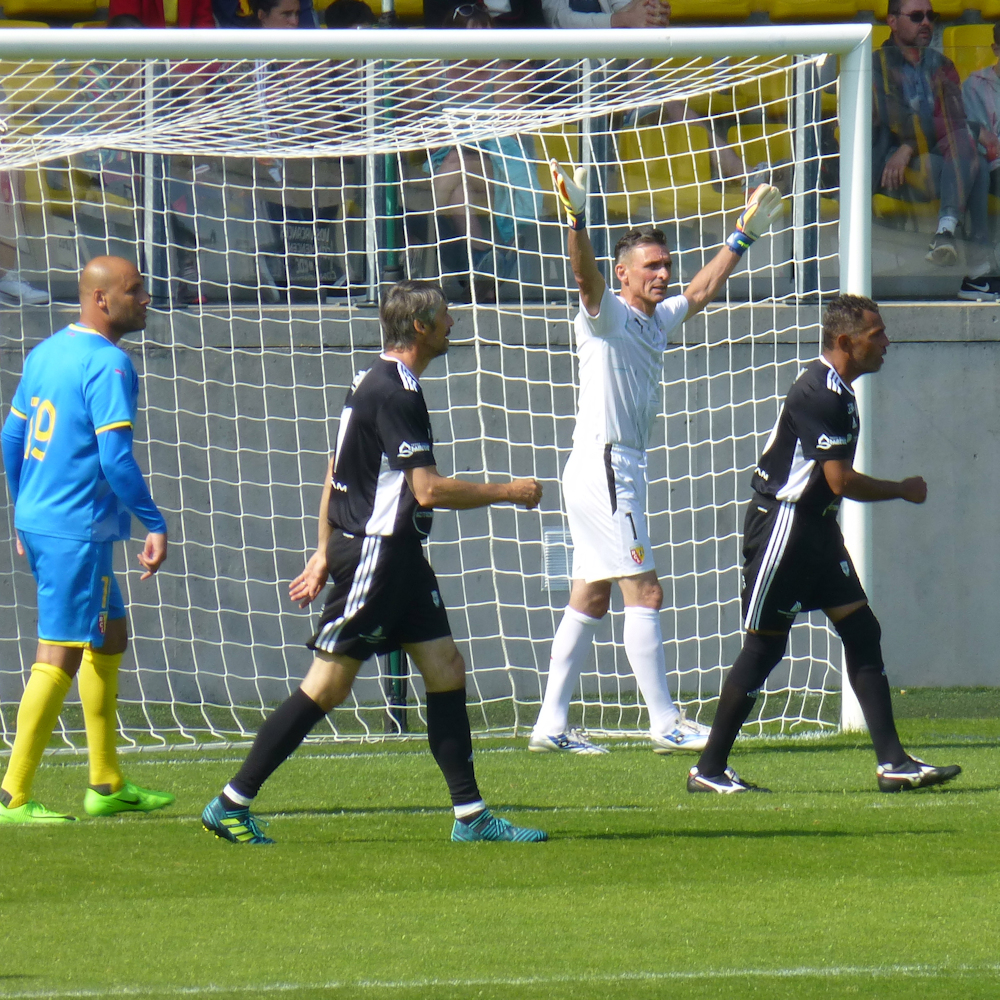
x=450 y=740
x=759 y=656
x=276 y=740
x=862 y=637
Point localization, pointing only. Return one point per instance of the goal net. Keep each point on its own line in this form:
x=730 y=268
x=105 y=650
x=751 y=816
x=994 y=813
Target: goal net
x=269 y=201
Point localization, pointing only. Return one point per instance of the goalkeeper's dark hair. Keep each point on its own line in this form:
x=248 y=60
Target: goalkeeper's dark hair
x=640 y=236
x=405 y=302
x=845 y=314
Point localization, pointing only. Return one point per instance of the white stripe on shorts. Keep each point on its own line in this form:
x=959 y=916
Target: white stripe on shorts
x=356 y=596
x=780 y=531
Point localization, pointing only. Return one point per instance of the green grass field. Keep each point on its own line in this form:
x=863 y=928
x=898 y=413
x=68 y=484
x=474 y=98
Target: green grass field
x=825 y=888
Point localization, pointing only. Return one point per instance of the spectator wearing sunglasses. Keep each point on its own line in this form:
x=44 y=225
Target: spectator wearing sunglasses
x=923 y=146
x=502 y=13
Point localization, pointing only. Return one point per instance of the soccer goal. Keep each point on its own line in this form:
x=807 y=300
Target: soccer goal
x=271 y=184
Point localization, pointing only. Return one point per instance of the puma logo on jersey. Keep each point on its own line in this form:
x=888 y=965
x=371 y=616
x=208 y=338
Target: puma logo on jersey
x=407 y=450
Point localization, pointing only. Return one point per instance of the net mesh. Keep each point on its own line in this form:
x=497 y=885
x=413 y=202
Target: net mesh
x=268 y=204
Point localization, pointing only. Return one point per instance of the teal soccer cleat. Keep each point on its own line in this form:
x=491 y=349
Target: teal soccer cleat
x=490 y=827
x=235 y=825
x=129 y=798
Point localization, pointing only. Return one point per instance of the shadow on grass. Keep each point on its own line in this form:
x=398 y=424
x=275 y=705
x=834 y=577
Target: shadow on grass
x=748 y=834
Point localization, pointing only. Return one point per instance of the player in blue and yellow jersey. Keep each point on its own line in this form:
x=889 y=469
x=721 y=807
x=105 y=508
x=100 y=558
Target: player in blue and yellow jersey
x=67 y=452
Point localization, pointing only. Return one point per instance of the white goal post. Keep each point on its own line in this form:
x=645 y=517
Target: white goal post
x=271 y=183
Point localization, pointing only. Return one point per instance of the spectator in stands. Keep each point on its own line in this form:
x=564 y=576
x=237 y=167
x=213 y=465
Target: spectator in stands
x=164 y=13
x=922 y=145
x=349 y=14
x=12 y=287
x=981 y=93
x=503 y=13
x=650 y=14
x=464 y=177
x=246 y=14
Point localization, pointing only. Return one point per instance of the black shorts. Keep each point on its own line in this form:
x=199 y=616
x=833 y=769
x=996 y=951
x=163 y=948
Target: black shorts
x=383 y=594
x=793 y=560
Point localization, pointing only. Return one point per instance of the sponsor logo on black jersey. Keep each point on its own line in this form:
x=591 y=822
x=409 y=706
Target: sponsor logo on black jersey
x=407 y=449
x=422 y=519
x=338 y=486
x=827 y=441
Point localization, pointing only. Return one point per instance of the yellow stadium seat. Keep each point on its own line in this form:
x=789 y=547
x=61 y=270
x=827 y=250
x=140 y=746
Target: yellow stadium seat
x=77 y=10
x=11 y=23
x=761 y=143
x=770 y=91
x=667 y=174
x=728 y=11
x=812 y=10
x=968 y=47
x=989 y=9
x=560 y=143
x=880 y=32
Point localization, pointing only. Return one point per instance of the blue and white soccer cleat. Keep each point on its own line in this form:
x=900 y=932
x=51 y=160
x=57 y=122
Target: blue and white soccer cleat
x=727 y=783
x=686 y=735
x=235 y=825
x=572 y=742
x=486 y=826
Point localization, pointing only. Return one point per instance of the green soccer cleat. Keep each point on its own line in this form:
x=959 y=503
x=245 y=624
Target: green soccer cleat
x=130 y=798
x=33 y=812
x=235 y=825
x=489 y=827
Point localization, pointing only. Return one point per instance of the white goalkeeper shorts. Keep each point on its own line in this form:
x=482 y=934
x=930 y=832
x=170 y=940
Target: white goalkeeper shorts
x=605 y=493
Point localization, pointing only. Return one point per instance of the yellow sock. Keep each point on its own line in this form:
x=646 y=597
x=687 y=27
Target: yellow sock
x=36 y=718
x=99 y=698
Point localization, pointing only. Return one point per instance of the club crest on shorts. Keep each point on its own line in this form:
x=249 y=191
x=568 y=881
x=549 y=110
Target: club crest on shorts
x=102 y=622
x=846 y=567
x=638 y=554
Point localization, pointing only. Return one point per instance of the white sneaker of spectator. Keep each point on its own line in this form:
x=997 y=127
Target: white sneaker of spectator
x=13 y=287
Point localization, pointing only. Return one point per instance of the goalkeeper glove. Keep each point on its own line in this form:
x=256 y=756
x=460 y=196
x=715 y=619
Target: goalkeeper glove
x=571 y=193
x=762 y=209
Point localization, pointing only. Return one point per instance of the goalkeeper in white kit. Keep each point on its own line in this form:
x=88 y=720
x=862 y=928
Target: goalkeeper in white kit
x=620 y=340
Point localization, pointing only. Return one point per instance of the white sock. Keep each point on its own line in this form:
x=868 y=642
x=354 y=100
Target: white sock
x=644 y=649
x=467 y=809
x=947 y=224
x=238 y=797
x=570 y=648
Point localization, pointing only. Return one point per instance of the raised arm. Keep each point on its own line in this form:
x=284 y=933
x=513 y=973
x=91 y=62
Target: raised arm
x=846 y=481
x=573 y=197
x=762 y=209
x=431 y=489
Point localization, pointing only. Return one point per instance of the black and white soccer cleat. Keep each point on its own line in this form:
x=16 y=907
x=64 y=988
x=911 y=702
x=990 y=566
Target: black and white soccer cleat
x=727 y=783
x=914 y=774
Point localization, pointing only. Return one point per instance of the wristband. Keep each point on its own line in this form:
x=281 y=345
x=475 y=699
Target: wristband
x=577 y=222
x=739 y=242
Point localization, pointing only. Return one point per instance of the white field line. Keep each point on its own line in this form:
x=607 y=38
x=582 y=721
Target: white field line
x=800 y=972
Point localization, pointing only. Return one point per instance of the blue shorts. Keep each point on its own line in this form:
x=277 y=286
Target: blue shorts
x=77 y=590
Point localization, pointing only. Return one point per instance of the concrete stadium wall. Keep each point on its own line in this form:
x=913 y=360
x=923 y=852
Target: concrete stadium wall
x=934 y=409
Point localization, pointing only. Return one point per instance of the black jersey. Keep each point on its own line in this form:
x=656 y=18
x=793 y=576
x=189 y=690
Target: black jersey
x=384 y=429
x=818 y=422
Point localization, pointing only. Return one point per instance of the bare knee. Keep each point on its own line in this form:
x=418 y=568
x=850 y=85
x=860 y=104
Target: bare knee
x=328 y=682
x=591 y=599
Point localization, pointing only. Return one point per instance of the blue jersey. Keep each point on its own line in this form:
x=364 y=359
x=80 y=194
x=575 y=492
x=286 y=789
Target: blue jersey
x=75 y=386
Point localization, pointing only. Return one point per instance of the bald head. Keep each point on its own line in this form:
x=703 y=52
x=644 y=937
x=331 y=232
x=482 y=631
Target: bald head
x=113 y=299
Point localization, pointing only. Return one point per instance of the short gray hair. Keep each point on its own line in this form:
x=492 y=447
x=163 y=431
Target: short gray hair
x=405 y=302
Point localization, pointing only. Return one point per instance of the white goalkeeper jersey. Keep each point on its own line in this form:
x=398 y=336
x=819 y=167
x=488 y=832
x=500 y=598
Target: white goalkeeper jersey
x=621 y=364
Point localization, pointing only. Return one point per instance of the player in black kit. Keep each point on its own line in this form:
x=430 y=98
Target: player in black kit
x=381 y=487
x=794 y=554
